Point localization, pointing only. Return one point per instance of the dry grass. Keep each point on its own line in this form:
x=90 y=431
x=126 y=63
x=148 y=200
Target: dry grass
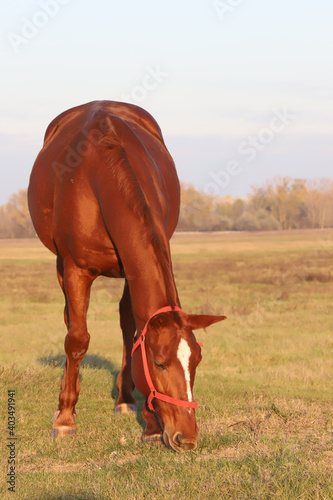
x=264 y=386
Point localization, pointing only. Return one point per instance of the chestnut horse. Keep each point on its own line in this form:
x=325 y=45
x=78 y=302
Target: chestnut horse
x=104 y=197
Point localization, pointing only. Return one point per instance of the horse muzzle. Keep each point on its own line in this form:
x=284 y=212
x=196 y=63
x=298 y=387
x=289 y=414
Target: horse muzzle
x=178 y=442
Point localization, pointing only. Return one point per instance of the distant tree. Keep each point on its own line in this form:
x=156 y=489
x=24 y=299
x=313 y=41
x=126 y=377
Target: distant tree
x=202 y=212
x=284 y=199
x=319 y=202
x=15 y=221
x=227 y=211
x=237 y=208
x=197 y=211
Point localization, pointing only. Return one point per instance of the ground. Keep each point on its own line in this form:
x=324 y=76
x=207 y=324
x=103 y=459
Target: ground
x=264 y=386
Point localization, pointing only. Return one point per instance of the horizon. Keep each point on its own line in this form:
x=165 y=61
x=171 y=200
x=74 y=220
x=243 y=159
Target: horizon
x=320 y=184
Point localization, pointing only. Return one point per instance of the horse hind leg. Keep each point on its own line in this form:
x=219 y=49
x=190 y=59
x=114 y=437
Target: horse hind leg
x=76 y=285
x=60 y=275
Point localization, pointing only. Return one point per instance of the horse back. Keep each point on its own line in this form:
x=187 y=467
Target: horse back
x=103 y=160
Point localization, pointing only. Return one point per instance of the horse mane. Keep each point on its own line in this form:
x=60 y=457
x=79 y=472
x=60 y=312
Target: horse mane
x=121 y=169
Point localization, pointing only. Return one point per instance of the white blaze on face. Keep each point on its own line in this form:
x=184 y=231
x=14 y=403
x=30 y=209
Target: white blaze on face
x=183 y=354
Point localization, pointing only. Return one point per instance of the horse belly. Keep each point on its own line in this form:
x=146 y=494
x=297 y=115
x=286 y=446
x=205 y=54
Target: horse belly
x=95 y=254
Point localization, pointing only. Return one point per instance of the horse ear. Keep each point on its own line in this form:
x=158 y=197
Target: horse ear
x=196 y=321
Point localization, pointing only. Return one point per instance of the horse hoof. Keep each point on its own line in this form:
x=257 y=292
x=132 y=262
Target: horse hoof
x=62 y=431
x=125 y=408
x=152 y=438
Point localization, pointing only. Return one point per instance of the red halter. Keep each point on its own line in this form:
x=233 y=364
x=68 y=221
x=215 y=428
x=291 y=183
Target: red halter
x=153 y=393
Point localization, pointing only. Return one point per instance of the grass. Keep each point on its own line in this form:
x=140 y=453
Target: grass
x=264 y=386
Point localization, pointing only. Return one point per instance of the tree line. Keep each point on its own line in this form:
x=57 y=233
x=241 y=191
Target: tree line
x=283 y=203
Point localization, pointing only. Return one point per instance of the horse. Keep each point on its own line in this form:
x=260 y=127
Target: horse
x=104 y=197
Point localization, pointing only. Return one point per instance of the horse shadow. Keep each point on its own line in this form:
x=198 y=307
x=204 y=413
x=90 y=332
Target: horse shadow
x=94 y=361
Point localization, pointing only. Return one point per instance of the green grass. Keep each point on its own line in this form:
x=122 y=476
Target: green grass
x=264 y=386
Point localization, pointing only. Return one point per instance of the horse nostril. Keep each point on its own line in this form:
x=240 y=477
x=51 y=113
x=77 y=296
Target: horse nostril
x=177 y=438
x=184 y=444
x=191 y=446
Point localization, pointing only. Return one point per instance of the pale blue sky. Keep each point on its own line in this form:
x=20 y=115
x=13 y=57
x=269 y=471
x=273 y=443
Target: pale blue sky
x=242 y=89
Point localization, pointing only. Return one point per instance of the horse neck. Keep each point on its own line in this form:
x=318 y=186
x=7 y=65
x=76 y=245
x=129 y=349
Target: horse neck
x=151 y=282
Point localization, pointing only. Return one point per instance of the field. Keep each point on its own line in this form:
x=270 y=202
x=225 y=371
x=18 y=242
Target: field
x=264 y=385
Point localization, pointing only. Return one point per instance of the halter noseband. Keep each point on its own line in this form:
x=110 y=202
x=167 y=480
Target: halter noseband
x=153 y=392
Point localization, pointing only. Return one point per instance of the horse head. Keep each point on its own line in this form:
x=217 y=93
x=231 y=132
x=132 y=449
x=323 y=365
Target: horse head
x=164 y=371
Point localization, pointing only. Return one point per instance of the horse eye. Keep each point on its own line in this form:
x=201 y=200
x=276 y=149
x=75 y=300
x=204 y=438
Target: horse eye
x=160 y=366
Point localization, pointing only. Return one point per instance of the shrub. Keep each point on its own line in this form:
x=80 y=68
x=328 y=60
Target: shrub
x=269 y=223
x=246 y=222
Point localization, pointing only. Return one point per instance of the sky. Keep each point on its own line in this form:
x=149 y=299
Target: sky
x=242 y=89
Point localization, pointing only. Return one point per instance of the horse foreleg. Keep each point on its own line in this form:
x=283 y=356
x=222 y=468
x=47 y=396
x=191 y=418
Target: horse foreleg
x=153 y=430
x=125 y=402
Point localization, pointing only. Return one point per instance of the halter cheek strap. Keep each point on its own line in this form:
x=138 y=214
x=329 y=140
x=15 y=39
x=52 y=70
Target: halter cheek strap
x=153 y=392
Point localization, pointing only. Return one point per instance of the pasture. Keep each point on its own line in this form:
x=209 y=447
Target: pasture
x=264 y=386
